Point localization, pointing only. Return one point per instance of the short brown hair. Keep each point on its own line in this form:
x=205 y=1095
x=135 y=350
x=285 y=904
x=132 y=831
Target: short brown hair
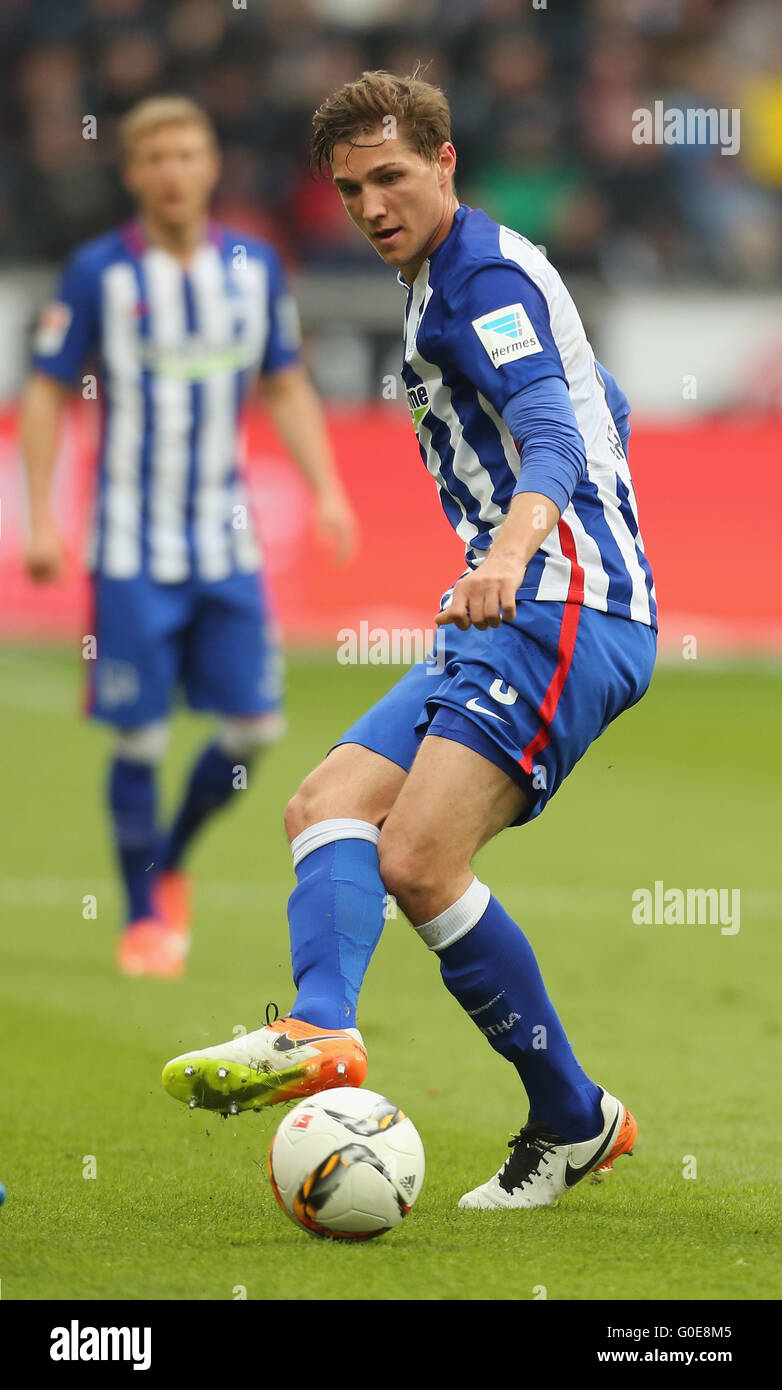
x=420 y=110
x=154 y=112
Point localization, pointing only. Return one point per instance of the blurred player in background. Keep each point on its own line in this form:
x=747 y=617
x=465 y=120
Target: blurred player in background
x=183 y=315
x=551 y=634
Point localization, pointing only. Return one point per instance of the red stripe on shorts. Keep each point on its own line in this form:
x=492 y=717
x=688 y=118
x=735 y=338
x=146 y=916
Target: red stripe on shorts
x=565 y=647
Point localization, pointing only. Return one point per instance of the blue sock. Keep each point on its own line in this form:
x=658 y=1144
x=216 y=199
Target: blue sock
x=211 y=784
x=490 y=968
x=133 y=801
x=336 y=915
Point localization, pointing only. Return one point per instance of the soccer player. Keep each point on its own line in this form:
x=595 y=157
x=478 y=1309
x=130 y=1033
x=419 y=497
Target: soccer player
x=550 y=634
x=182 y=316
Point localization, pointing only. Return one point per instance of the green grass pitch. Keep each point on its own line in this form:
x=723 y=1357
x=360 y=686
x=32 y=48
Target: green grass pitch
x=680 y=1021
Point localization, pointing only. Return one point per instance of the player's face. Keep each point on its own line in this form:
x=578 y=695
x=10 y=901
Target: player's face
x=172 y=172
x=402 y=202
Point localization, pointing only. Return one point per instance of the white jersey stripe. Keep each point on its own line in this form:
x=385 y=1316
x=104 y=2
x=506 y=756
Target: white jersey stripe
x=121 y=501
x=216 y=443
x=171 y=420
x=465 y=528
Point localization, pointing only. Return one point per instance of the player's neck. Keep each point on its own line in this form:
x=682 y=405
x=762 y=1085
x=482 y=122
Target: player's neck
x=441 y=231
x=179 y=242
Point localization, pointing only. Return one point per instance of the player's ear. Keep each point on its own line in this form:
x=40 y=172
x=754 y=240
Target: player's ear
x=446 y=159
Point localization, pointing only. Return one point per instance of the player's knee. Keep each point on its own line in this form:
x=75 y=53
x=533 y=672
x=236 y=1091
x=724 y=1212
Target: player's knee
x=308 y=805
x=407 y=867
x=241 y=738
x=145 y=744
x=332 y=792
x=294 y=818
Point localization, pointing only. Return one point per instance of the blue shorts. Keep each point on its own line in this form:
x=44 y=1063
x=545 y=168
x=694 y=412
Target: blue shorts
x=530 y=696
x=211 y=640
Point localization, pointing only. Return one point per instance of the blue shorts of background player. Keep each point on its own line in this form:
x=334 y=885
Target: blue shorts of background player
x=211 y=641
x=214 y=644
x=530 y=695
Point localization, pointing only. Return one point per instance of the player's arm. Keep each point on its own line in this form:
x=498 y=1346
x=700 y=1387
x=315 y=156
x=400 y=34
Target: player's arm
x=542 y=421
x=41 y=413
x=298 y=418
x=67 y=333
x=529 y=389
x=487 y=597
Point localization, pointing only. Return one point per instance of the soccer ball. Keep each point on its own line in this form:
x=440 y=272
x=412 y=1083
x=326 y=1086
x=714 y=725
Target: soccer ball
x=347 y=1164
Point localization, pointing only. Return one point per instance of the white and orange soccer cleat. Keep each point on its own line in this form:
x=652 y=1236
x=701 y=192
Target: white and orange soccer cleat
x=149 y=947
x=286 y=1060
x=542 y=1166
x=171 y=896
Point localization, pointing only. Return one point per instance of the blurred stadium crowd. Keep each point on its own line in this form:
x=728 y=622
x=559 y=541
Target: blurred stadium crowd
x=542 y=97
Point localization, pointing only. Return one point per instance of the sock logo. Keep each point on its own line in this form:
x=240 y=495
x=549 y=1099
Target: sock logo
x=504 y=1026
x=473 y=1013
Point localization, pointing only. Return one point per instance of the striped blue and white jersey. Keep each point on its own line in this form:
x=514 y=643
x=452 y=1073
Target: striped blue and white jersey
x=486 y=316
x=177 y=352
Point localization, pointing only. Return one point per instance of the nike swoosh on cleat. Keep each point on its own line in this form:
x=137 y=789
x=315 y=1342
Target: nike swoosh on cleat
x=479 y=709
x=285 y=1043
x=573 y=1175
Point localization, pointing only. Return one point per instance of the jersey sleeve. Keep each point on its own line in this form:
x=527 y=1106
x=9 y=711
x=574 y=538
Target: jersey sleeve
x=498 y=333
x=543 y=424
x=68 y=330
x=283 y=345
x=618 y=404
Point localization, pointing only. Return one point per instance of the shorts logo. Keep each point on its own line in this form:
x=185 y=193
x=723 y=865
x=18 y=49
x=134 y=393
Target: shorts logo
x=507 y=334
x=118 y=683
x=481 y=709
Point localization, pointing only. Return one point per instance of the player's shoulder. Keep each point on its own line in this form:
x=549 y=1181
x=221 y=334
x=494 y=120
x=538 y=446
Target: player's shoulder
x=232 y=240
x=483 y=246
x=96 y=255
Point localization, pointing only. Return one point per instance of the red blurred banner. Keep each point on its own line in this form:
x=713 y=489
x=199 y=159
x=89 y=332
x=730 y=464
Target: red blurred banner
x=710 y=502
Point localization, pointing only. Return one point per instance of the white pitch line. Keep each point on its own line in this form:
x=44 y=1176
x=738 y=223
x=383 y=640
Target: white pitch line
x=540 y=899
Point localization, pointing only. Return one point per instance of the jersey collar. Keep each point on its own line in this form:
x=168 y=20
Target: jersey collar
x=138 y=242
x=458 y=218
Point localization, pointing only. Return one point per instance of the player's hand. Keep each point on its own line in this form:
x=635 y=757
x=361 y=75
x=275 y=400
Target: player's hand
x=44 y=555
x=338 y=524
x=486 y=597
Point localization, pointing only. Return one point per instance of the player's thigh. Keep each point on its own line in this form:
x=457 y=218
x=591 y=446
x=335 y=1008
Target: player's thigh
x=453 y=802
x=366 y=769
x=138 y=627
x=351 y=783
x=232 y=661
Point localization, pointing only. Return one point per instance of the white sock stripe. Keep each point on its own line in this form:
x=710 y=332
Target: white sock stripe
x=240 y=738
x=145 y=744
x=458 y=919
x=325 y=832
